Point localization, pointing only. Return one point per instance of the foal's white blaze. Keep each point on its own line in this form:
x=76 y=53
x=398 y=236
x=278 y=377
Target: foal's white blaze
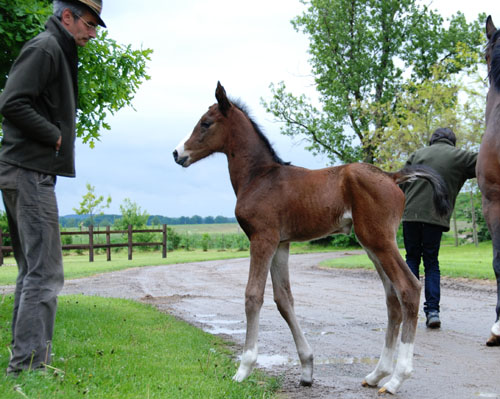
x=404 y=368
x=180 y=147
x=495 y=330
x=248 y=360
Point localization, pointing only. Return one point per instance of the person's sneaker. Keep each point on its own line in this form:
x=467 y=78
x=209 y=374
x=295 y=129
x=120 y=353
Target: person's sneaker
x=433 y=320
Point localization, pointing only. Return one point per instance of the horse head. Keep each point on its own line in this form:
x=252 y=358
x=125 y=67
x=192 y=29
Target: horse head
x=492 y=53
x=210 y=133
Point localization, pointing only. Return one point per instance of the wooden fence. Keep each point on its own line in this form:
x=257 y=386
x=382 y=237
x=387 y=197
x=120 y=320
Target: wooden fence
x=91 y=246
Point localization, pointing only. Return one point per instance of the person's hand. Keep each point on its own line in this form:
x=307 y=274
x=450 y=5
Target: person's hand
x=58 y=143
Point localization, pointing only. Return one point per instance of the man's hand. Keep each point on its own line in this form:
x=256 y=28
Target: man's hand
x=58 y=144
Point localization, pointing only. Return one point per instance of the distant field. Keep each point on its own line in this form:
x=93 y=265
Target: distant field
x=221 y=228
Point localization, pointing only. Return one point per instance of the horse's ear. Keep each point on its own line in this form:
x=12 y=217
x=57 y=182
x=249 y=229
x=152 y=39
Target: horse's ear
x=490 y=27
x=224 y=103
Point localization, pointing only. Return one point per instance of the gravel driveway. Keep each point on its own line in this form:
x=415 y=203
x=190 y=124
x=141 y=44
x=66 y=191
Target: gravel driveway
x=343 y=315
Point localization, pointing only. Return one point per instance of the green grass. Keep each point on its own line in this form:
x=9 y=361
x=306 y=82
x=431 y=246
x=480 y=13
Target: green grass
x=76 y=266
x=465 y=261
x=112 y=348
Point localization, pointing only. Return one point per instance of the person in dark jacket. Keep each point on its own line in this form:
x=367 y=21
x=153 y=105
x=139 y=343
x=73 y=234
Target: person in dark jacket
x=422 y=226
x=39 y=105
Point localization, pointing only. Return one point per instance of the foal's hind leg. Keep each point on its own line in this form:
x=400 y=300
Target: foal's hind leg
x=284 y=301
x=261 y=253
x=385 y=365
x=406 y=288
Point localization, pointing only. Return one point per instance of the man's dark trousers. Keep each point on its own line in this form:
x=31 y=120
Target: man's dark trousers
x=422 y=241
x=31 y=207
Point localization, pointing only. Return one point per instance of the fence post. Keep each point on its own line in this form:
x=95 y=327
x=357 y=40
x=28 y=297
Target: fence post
x=164 y=249
x=108 y=243
x=91 y=243
x=129 y=242
x=1 y=247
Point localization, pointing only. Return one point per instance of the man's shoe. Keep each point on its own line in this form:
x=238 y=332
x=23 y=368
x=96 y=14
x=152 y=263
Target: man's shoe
x=11 y=372
x=433 y=320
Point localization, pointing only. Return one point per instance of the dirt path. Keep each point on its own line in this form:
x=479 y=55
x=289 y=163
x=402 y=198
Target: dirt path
x=343 y=315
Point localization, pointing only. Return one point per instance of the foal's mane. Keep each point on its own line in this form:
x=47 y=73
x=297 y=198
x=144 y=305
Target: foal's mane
x=243 y=108
x=494 y=74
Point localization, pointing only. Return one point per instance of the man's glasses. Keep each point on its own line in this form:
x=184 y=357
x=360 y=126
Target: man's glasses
x=90 y=25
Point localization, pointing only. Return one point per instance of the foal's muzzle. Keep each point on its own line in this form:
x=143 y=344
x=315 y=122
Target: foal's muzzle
x=180 y=161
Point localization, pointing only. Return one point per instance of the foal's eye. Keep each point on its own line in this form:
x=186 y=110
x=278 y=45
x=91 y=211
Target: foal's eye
x=206 y=124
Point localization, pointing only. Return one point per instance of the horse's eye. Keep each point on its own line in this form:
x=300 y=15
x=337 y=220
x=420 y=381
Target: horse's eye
x=205 y=124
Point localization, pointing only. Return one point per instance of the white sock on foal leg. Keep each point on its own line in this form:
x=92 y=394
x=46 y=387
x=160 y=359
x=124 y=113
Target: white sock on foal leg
x=384 y=368
x=495 y=330
x=248 y=360
x=404 y=368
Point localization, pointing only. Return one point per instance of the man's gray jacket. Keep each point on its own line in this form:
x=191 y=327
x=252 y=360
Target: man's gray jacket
x=39 y=103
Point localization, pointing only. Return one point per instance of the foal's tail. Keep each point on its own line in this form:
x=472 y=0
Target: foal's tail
x=440 y=190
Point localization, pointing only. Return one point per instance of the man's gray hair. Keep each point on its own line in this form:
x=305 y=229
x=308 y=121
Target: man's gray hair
x=60 y=5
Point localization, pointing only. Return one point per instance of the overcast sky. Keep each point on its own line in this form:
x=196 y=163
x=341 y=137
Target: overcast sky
x=246 y=45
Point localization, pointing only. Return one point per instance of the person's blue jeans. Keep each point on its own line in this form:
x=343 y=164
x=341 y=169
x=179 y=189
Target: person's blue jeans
x=422 y=242
x=31 y=207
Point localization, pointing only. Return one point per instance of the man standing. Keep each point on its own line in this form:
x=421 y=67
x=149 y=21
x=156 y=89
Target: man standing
x=39 y=105
x=422 y=227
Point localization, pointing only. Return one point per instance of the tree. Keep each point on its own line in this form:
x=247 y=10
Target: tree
x=92 y=205
x=131 y=215
x=362 y=52
x=196 y=219
x=422 y=108
x=119 y=68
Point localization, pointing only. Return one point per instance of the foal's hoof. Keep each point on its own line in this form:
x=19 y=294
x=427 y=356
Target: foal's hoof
x=305 y=383
x=493 y=341
x=383 y=391
x=366 y=385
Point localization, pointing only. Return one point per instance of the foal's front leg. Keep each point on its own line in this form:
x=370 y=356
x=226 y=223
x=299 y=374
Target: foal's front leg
x=284 y=300
x=261 y=253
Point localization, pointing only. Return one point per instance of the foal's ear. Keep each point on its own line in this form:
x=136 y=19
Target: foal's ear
x=490 y=27
x=224 y=103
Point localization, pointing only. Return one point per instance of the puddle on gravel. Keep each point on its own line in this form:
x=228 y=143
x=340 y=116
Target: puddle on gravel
x=269 y=361
x=348 y=360
x=219 y=326
x=214 y=330
x=487 y=395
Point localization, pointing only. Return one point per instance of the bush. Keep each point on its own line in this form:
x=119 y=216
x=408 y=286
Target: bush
x=173 y=239
x=337 y=240
x=67 y=240
x=4 y=225
x=350 y=241
x=205 y=241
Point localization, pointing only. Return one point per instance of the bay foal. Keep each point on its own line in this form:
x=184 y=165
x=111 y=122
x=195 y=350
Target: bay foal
x=488 y=162
x=278 y=203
